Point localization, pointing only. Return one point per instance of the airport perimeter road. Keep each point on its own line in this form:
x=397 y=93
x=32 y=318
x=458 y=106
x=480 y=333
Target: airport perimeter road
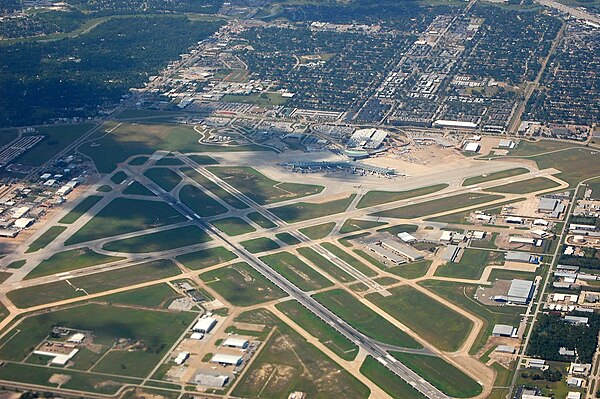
x=369 y=345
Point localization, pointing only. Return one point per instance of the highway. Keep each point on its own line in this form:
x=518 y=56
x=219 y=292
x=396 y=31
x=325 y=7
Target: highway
x=361 y=340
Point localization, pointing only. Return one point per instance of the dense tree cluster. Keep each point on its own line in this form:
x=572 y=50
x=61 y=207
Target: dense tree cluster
x=546 y=375
x=551 y=332
x=129 y=6
x=590 y=260
x=41 y=24
x=8 y=6
x=408 y=13
x=75 y=76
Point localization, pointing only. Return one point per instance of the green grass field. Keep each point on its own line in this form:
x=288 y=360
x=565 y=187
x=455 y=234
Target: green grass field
x=441 y=374
x=16 y=264
x=399 y=228
x=104 y=189
x=471 y=265
x=349 y=259
x=233 y=226
x=93 y=283
x=80 y=209
x=157 y=331
x=297 y=272
x=8 y=135
x=438 y=206
x=70 y=260
x=165 y=178
x=435 y=322
x=260 y=244
x=318 y=231
x=136 y=188
x=489 y=242
x=217 y=190
x=160 y=241
x=494 y=176
x=203 y=160
x=462 y=295
x=373 y=198
x=123 y=215
x=358 y=315
x=119 y=177
x=169 y=161
x=411 y=270
x=301 y=211
x=206 y=258
x=261 y=220
x=155 y=296
x=32 y=374
x=287 y=238
x=352 y=225
x=241 y=285
x=145 y=138
x=393 y=385
x=287 y=362
x=104 y=321
x=127 y=363
x=139 y=161
x=332 y=339
x=45 y=239
x=462 y=216
x=525 y=186
x=200 y=202
x=260 y=188
x=57 y=139
x=326 y=265
x=528 y=148
x=575 y=164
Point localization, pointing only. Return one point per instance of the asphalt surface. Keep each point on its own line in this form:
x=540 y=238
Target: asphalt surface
x=364 y=342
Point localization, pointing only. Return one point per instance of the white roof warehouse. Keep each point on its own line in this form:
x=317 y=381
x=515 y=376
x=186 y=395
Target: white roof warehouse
x=233 y=360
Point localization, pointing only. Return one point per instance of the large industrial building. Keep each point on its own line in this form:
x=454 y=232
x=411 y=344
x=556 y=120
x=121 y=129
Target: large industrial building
x=227 y=360
x=205 y=325
x=454 y=124
x=236 y=343
x=504 y=330
x=519 y=293
x=394 y=250
x=367 y=138
x=203 y=378
x=522 y=257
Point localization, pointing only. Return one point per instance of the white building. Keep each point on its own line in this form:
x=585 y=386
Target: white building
x=205 y=325
x=23 y=223
x=181 y=358
x=454 y=124
x=406 y=237
x=472 y=147
x=504 y=330
x=58 y=359
x=229 y=360
x=236 y=343
x=76 y=338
